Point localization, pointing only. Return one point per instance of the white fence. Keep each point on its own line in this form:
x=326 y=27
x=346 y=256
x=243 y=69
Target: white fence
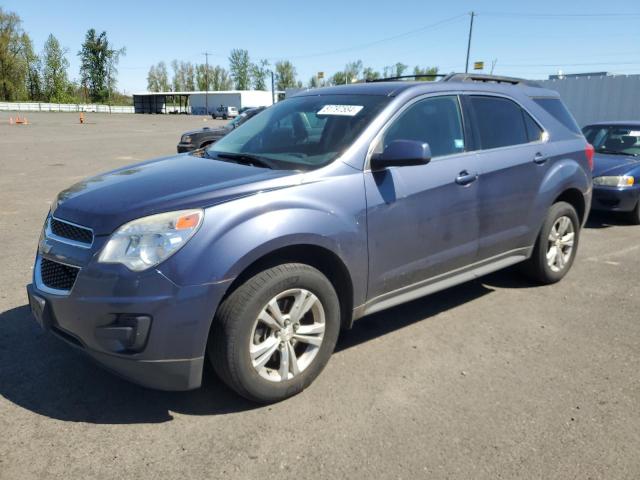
x=62 y=107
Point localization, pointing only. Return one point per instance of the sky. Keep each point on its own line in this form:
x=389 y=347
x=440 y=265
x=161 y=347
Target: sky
x=524 y=39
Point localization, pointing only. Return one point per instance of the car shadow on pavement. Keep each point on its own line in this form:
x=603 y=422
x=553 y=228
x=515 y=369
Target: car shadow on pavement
x=607 y=220
x=42 y=374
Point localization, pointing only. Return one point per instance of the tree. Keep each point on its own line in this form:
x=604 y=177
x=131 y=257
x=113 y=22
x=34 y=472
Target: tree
x=220 y=79
x=259 y=72
x=33 y=65
x=352 y=70
x=54 y=71
x=98 y=65
x=428 y=73
x=285 y=75
x=13 y=68
x=394 y=70
x=157 y=78
x=369 y=74
x=240 y=67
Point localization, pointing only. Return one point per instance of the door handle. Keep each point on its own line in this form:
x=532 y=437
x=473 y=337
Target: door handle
x=540 y=158
x=465 y=178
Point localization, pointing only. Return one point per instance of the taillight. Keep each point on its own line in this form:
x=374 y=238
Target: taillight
x=588 y=150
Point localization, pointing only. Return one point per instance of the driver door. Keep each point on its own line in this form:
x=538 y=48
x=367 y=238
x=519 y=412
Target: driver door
x=422 y=220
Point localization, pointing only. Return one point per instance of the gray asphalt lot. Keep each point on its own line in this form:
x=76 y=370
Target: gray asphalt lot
x=497 y=378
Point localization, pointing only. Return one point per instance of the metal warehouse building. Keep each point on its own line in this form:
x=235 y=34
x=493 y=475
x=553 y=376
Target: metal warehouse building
x=196 y=102
x=603 y=97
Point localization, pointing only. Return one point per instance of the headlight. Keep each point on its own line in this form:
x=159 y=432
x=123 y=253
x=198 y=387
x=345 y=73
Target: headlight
x=186 y=139
x=147 y=241
x=619 y=181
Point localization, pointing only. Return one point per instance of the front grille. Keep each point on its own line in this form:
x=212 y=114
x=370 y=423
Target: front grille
x=57 y=275
x=70 y=231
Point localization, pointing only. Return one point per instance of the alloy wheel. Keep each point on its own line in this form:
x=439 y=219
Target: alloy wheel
x=287 y=335
x=560 y=244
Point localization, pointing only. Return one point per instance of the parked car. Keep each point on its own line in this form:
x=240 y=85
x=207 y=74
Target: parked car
x=196 y=139
x=616 y=172
x=225 y=112
x=331 y=205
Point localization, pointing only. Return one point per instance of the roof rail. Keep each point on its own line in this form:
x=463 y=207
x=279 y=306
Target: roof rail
x=479 y=77
x=402 y=77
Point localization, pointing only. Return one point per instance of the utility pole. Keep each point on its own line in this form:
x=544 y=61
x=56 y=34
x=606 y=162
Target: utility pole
x=466 y=68
x=206 y=81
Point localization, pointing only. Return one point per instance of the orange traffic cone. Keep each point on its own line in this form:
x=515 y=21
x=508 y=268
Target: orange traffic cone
x=18 y=119
x=25 y=121
x=10 y=120
x=81 y=117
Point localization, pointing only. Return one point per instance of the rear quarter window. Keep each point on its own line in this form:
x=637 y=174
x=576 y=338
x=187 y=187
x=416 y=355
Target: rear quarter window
x=557 y=110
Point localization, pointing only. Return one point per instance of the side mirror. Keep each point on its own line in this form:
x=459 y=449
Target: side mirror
x=401 y=153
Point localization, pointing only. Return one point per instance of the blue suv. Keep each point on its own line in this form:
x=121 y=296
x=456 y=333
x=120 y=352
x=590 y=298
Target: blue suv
x=336 y=203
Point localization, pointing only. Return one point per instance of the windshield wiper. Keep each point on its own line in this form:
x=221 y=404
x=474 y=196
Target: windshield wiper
x=616 y=152
x=245 y=158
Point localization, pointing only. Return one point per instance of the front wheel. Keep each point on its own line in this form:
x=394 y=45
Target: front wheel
x=556 y=246
x=275 y=333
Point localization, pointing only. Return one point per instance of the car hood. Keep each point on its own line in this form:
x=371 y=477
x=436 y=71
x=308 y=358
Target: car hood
x=208 y=131
x=604 y=164
x=105 y=202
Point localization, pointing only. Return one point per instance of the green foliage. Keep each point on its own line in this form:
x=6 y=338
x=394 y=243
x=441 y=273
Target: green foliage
x=184 y=77
x=98 y=67
x=240 y=67
x=13 y=65
x=285 y=75
x=428 y=73
x=157 y=78
x=54 y=72
x=259 y=72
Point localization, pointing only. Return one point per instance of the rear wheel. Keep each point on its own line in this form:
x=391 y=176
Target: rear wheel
x=275 y=333
x=556 y=246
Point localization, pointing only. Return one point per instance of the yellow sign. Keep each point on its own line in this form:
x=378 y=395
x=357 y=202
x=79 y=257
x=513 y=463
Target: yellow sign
x=478 y=65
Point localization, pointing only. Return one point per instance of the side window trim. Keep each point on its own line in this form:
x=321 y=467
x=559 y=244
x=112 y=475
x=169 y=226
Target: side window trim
x=380 y=134
x=465 y=97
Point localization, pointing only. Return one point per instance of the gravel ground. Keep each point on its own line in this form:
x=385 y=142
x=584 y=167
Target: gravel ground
x=496 y=378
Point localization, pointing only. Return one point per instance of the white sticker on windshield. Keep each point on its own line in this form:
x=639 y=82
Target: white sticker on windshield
x=345 y=110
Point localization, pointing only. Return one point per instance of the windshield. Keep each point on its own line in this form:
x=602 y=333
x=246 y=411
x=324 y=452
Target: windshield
x=303 y=133
x=614 y=139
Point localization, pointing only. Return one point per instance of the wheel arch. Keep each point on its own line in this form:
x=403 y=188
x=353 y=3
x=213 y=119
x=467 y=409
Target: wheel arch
x=319 y=257
x=575 y=198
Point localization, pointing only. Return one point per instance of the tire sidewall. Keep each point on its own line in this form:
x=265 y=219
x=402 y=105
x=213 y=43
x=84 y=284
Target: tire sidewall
x=309 y=279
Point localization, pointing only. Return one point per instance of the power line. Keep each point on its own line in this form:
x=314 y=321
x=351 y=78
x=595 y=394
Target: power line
x=565 y=16
x=376 y=42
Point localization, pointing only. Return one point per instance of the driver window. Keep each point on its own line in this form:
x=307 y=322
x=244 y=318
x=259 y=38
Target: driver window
x=436 y=121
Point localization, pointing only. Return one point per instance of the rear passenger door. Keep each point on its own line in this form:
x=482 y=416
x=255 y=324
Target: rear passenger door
x=513 y=157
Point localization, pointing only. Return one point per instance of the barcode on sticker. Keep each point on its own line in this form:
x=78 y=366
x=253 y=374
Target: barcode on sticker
x=346 y=110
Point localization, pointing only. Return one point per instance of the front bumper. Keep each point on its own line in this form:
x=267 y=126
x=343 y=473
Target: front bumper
x=615 y=199
x=98 y=316
x=185 y=147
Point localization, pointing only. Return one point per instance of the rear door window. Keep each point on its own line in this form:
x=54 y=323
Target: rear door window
x=557 y=110
x=534 y=132
x=498 y=122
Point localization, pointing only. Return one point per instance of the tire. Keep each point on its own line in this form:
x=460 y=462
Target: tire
x=238 y=336
x=634 y=215
x=224 y=117
x=551 y=270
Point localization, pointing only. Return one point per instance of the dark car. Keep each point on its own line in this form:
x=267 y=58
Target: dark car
x=616 y=171
x=329 y=206
x=196 y=139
